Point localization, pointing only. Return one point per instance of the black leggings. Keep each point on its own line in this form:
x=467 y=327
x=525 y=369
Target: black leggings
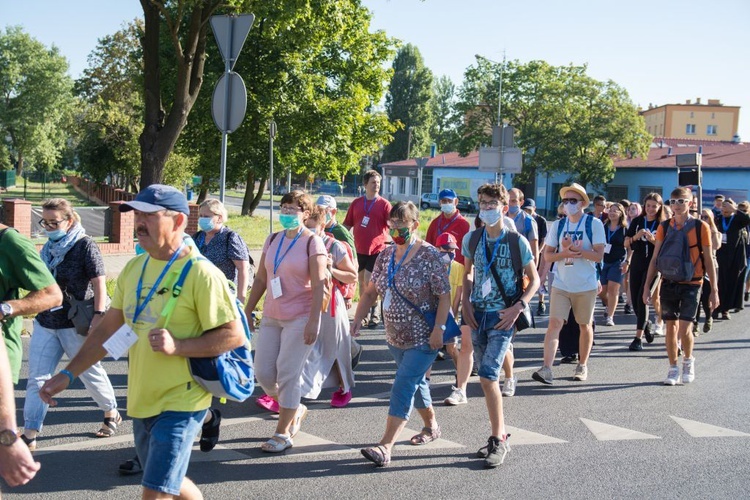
x=638 y=273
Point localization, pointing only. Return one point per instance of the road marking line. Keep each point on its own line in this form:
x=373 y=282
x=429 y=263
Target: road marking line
x=607 y=432
x=700 y=430
x=522 y=437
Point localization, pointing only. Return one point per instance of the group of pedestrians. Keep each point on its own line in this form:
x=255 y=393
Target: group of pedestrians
x=462 y=289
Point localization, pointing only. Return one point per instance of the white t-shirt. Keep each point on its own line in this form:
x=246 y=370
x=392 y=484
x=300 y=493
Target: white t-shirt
x=581 y=276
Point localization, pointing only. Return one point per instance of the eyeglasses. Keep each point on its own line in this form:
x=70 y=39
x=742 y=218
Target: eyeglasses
x=287 y=209
x=571 y=201
x=489 y=204
x=680 y=201
x=399 y=224
x=51 y=224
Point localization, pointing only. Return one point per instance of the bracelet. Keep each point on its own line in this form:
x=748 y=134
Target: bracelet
x=100 y=313
x=69 y=374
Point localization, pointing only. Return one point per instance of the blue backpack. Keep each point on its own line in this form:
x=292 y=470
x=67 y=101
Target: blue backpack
x=229 y=375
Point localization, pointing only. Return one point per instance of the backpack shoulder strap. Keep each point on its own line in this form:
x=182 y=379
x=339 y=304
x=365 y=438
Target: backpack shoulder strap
x=176 y=291
x=589 y=225
x=559 y=230
x=698 y=226
x=514 y=242
x=476 y=235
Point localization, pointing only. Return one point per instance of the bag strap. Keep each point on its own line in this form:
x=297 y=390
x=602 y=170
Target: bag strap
x=476 y=236
x=515 y=256
x=176 y=291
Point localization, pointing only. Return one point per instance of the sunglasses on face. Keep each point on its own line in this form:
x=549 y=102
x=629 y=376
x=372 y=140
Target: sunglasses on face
x=680 y=201
x=570 y=201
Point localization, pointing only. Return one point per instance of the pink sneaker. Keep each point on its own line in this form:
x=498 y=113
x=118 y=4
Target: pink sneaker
x=268 y=403
x=341 y=399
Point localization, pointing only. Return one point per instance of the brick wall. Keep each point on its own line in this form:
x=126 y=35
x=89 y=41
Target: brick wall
x=17 y=214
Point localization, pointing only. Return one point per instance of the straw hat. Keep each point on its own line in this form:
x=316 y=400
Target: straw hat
x=580 y=190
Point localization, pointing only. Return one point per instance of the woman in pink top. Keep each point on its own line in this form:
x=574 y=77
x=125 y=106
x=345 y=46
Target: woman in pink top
x=291 y=273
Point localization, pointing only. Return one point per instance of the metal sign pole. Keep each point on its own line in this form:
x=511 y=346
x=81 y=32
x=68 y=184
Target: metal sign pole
x=225 y=132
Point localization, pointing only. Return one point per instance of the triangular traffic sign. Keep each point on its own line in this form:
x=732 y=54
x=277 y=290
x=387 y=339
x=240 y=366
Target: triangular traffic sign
x=230 y=33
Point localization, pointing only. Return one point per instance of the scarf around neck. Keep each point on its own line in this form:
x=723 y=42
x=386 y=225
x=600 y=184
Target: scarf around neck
x=53 y=252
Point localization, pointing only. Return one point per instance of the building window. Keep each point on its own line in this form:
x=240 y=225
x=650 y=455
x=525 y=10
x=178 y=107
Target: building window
x=617 y=193
x=690 y=129
x=646 y=190
x=711 y=130
x=713 y=116
x=414 y=187
x=692 y=115
x=402 y=185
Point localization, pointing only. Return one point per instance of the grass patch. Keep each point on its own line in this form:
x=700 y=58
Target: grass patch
x=36 y=195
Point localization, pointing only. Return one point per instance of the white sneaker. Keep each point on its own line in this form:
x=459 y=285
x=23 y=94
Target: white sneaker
x=509 y=387
x=673 y=375
x=582 y=373
x=610 y=321
x=658 y=330
x=688 y=370
x=457 y=397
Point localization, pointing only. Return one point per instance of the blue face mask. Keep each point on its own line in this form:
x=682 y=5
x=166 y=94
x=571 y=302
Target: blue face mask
x=448 y=257
x=448 y=208
x=289 y=221
x=513 y=209
x=206 y=223
x=56 y=235
x=491 y=216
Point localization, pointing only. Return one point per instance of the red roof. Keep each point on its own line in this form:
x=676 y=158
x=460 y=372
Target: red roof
x=445 y=160
x=716 y=154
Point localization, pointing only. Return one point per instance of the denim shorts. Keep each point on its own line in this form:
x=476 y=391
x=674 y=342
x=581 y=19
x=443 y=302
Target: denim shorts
x=410 y=387
x=679 y=300
x=163 y=444
x=489 y=345
x=611 y=273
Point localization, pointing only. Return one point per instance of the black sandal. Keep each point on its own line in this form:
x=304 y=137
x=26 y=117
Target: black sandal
x=210 y=432
x=130 y=467
x=31 y=443
x=109 y=426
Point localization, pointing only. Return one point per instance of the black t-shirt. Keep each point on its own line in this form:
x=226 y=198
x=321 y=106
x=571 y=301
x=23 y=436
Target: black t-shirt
x=615 y=238
x=643 y=250
x=81 y=264
x=541 y=223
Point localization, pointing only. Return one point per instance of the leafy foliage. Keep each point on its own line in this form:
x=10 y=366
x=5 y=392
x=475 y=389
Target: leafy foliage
x=408 y=104
x=35 y=99
x=444 y=132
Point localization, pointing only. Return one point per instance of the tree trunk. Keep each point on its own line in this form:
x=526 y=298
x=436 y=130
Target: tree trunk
x=19 y=167
x=249 y=198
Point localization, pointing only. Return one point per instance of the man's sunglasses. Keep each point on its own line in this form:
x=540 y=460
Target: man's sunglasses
x=570 y=201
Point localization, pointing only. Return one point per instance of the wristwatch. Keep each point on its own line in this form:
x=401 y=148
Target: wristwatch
x=443 y=327
x=100 y=313
x=523 y=303
x=6 y=309
x=8 y=437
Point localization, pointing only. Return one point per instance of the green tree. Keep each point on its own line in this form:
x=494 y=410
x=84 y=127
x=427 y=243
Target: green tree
x=444 y=131
x=35 y=99
x=565 y=120
x=408 y=104
x=111 y=111
x=319 y=84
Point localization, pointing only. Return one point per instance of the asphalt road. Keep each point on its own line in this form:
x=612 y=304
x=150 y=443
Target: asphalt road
x=621 y=434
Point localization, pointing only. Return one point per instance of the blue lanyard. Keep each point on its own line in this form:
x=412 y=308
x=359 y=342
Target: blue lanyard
x=611 y=233
x=394 y=268
x=653 y=225
x=277 y=261
x=442 y=229
x=140 y=307
x=367 y=210
x=574 y=236
x=726 y=224
x=490 y=258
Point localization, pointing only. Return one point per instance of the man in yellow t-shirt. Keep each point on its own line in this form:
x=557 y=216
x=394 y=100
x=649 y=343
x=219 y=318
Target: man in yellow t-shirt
x=167 y=405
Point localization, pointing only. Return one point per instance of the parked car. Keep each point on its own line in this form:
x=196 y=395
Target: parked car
x=467 y=205
x=430 y=200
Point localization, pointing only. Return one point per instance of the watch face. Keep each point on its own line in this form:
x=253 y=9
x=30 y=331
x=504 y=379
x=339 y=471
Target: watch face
x=7 y=437
x=6 y=309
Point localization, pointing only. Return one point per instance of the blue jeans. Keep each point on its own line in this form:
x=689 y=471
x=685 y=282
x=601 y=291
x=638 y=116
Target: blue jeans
x=410 y=387
x=489 y=344
x=163 y=444
x=45 y=352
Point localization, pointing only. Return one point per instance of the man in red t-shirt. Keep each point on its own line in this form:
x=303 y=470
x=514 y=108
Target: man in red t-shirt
x=367 y=218
x=449 y=221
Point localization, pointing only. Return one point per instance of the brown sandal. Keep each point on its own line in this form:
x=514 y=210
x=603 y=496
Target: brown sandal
x=427 y=435
x=109 y=426
x=379 y=455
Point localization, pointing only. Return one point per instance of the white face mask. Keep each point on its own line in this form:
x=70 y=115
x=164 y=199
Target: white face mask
x=490 y=217
x=572 y=209
x=448 y=208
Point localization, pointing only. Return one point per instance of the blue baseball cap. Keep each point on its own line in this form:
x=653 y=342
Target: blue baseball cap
x=158 y=197
x=528 y=203
x=447 y=194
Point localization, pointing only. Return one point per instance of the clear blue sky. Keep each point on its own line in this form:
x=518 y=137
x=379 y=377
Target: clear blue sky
x=662 y=52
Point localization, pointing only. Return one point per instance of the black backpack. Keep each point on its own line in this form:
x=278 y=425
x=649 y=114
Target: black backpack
x=674 y=262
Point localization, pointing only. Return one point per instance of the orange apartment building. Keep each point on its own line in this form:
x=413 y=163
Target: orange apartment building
x=711 y=121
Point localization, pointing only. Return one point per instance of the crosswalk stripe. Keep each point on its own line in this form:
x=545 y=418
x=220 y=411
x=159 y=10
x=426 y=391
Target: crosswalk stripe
x=700 y=430
x=607 y=432
x=522 y=437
